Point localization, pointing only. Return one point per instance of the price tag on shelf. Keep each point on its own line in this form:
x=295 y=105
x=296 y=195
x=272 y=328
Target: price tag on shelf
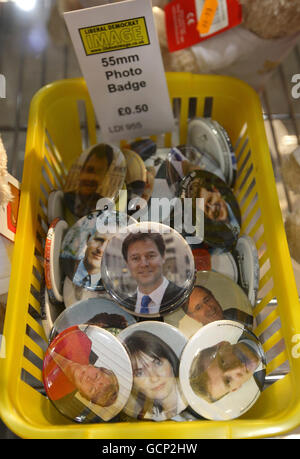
x=120 y=59
x=207 y=16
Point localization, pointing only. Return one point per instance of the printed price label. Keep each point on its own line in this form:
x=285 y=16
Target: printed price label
x=120 y=59
x=207 y=16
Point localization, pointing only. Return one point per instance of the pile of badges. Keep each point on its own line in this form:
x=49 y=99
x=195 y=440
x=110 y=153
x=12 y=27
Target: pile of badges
x=150 y=286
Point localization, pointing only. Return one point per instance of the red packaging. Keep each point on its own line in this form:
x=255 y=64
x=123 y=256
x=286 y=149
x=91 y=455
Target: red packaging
x=182 y=19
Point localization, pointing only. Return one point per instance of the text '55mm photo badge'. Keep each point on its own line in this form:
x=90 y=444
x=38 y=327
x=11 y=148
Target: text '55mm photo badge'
x=119 y=55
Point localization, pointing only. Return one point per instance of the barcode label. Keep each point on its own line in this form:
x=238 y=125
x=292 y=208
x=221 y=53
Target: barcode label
x=220 y=19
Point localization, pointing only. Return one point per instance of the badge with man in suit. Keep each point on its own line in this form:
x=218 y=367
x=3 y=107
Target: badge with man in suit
x=157 y=272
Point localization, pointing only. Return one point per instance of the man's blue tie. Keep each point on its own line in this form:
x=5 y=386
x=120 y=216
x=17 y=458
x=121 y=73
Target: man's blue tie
x=86 y=282
x=145 y=303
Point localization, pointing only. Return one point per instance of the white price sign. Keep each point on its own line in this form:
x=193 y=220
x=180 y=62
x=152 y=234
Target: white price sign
x=120 y=59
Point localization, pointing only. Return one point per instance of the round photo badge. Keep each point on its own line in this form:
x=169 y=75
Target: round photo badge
x=155 y=350
x=222 y=370
x=224 y=137
x=159 y=185
x=158 y=163
x=149 y=269
x=183 y=159
x=144 y=148
x=73 y=293
x=84 y=243
x=49 y=311
x=55 y=208
x=209 y=137
x=54 y=276
x=136 y=173
x=246 y=257
x=210 y=259
x=136 y=180
x=101 y=311
x=214 y=297
x=87 y=374
x=99 y=172
x=222 y=215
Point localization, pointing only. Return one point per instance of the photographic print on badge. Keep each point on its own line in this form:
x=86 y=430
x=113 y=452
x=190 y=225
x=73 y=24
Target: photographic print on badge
x=158 y=163
x=149 y=270
x=246 y=256
x=155 y=349
x=206 y=135
x=87 y=374
x=103 y=312
x=210 y=259
x=136 y=175
x=222 y=215
x=186 y=158
x=55 y=208
x=98 y=172
x=54 y=275
x=49 y=311
x=222 y=370
x=214 y=297
x=83 y=246
x=232 y=169
x=157 y=167
x=73 y=293
x=144 y=148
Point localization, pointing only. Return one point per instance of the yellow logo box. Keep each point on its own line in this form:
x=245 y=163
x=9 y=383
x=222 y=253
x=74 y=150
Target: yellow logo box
x=114 y=36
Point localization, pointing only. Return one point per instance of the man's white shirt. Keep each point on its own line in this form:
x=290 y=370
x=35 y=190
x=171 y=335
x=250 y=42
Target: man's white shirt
x=81 y=273
x=156 y=298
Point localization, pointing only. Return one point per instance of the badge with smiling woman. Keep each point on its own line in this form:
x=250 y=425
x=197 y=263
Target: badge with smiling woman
x=154 y=349
x=149 y=269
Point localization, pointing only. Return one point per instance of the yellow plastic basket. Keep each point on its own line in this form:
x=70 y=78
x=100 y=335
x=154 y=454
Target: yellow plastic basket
x=55 y=137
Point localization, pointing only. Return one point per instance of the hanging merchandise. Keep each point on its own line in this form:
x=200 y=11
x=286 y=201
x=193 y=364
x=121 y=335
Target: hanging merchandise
x=264 y=33
x=190 y=22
